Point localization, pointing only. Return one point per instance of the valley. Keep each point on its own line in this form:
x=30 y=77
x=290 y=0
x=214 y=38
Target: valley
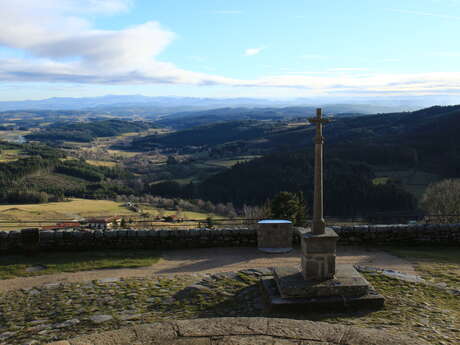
x=224 y=156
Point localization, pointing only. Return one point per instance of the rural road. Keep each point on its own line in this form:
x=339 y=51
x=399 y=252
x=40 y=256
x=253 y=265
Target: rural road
x=211 y=260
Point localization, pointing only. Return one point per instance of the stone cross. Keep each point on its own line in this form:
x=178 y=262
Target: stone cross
x=318 y=225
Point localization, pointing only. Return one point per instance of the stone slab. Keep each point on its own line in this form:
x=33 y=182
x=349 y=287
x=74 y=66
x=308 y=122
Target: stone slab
x=270 y=331
x=221 y=327
x=347 y=282
x=277 y=304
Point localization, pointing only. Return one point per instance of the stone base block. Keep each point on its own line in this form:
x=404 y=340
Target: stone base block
x=346 y=282
x=275 y=303
x=324 y=243
x=318 y=266
x=318 y=255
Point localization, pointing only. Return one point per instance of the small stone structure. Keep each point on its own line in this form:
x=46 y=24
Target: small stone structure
x=242 y=331
x=274 y=236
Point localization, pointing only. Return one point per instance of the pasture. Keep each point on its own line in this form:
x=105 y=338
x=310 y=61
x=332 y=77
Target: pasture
x=21 y=216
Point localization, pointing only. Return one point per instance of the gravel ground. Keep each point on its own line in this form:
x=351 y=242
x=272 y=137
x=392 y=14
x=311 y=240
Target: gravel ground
x=210 y=260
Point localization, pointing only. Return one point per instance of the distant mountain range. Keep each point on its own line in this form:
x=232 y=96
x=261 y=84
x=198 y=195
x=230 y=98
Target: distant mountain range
x=133 y=104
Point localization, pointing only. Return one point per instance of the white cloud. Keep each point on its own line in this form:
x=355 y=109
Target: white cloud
x=65 y=47
x=57 y=43
x=253 y=51
x=349 y=84
x=426 y=14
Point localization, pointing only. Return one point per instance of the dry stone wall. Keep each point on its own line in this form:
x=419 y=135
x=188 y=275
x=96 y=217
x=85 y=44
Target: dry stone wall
x=399 y=233
x=31 y=240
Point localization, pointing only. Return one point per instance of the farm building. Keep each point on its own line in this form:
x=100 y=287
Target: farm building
x=104 y=223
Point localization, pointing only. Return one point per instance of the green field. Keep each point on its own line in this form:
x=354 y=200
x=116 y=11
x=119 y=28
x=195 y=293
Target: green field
x=228 y=163
x=46 y=214
x=9 y=155
x=380 y=180
x=101 y=163
x=414 y=181
x=23 y=266
x=36 y=215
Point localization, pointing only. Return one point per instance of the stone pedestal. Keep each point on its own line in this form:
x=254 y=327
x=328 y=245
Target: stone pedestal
x=275 y=303
x=318 y=284
x=287 y=291
x=318 y=255
x=274 y=236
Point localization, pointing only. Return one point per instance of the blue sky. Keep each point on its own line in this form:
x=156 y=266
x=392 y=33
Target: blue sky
x=232 y=48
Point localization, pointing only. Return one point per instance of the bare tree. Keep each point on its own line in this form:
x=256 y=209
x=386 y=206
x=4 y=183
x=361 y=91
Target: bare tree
x=442 y=199
x=256 y=212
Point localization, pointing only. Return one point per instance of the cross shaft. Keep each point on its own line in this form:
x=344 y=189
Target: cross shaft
x=318 y=224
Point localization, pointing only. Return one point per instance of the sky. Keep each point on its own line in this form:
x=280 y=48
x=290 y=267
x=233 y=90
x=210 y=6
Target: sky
x=229 y=48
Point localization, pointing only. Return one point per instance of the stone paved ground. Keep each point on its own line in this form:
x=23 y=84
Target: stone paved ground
x=66 y=310
x=210 y=260
x=243 y=331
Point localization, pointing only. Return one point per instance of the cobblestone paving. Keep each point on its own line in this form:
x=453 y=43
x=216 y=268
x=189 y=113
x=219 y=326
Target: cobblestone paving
x=66 y=310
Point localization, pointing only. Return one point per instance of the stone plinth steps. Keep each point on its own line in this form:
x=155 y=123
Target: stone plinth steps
x=319 y=284
x=243 y=331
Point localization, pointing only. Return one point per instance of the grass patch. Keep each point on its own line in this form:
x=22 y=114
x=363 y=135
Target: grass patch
x=122 y=154
x=46 y=214
x=417 y=310
x=36 y=215
x=184 y=181
x=413 y=181
x=153 y=211
x=433 y=253
x=438 y=264
x=380 y=180
x=16 y=265
x=75 y=206
x=101 y=163
x=9 y=155
x=228 y=163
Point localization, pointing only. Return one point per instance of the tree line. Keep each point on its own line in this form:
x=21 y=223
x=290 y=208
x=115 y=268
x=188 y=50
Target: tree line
x=349 y=187
x=88 y=131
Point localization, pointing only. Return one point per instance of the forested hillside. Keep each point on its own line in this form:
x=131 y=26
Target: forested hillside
x=356 y=148
x=44 y=174
x=185 y=120
x=349 y=187
x=364 y=159
x=207 y=135
x=87 y=131
x=425 y=139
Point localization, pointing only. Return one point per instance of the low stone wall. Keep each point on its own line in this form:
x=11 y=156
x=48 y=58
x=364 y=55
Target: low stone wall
x=399 y=233
x=31 y=240
x=20 y=241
